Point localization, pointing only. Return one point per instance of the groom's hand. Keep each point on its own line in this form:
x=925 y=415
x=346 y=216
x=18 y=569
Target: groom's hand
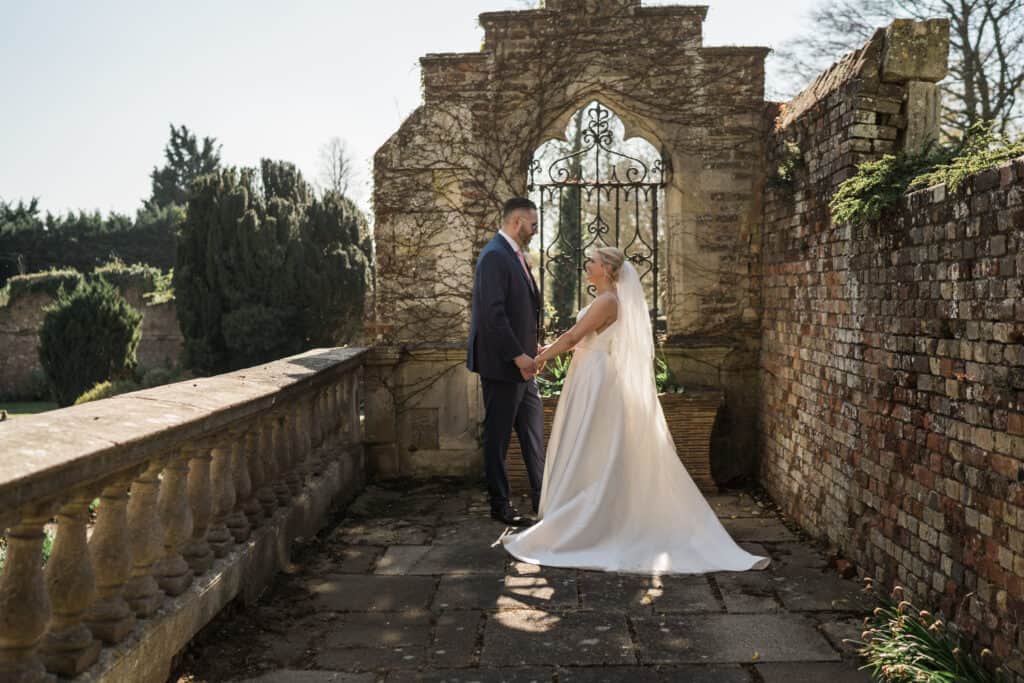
x=527 y=367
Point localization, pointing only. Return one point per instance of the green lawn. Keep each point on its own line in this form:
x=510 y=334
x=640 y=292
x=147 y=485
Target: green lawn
x=15 y=409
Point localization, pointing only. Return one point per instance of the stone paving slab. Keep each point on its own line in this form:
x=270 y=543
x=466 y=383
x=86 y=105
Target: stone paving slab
x=506 y=592
x=352 y=592
x=455 y=639
x=759 y=529
x=362 y=642
x=461 y=559
x=801 y=589
x=400 y=559
x=524 y=637
x=811 y=673
x=748 y=592
x=705 y=674
x=710 y=638
x=410 y=587
x=299 y=676
x=621 y=592
x=532 y=675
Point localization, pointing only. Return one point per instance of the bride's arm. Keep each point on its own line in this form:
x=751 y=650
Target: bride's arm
x=601 y=312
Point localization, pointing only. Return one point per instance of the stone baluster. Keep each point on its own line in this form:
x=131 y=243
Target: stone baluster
x=279 y=452
x=297 y=431
x=24 y=603
x=324 y=417
x=349 y=412
x=293 y=453
x=147 y=540
x=266 y=453
x=337 y=405
x=69 y=646
x=254 y=463
x=109 y=617
x=238 y=523
x=172 y=571
x=355 y=383
x=197 y=552
x=312 y=439
x=222 y=497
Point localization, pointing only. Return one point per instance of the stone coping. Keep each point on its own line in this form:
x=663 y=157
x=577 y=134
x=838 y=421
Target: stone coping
x=43 y=456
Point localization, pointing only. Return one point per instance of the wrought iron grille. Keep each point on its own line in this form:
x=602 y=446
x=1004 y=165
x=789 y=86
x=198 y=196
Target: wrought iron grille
x=602 y=196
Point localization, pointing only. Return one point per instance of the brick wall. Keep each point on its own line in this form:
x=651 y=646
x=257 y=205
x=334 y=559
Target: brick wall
x=22 y=317
x=892 y=400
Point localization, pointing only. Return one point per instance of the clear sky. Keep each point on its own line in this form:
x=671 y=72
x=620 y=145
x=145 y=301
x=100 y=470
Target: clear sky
x=89 y=88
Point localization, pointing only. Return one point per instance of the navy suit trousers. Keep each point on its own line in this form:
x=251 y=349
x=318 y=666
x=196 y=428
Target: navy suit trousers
x=508 y=406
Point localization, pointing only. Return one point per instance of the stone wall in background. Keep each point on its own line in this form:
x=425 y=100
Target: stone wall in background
x=22 y=317
x=892 y=388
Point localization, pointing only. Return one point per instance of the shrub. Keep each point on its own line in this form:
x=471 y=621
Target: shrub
x=107 y=389
x=47 y=281
x=139 y=275
x=155 y=377
x=88 y=336
x=904 y=644
x=267 y=270
x=982 y=148
x=879 y=185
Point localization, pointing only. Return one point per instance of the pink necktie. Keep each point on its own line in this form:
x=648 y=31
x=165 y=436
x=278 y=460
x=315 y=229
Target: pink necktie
x=526 y=269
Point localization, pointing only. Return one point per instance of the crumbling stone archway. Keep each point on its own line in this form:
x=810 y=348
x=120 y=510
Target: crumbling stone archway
x=441 y=178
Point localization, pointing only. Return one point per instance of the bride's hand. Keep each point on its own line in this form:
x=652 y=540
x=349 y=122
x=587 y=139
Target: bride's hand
x=541 y=362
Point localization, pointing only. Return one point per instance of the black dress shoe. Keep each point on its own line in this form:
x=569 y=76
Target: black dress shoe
x=510 y=517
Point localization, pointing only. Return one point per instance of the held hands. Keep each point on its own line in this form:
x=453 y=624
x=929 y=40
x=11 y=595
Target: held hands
x=527 y=366
x=541 y=360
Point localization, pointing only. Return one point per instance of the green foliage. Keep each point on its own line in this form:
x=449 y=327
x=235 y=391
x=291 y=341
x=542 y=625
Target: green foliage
x=551 y=380
x=106 y=389
x=33 y=388
x=186 y=161
x=84 y=241
x=49 y=533
x=158 y=376
x=982 y=148
x=903 y=644
x=665 y=379
x=47 y=282
x=267 y=270
x=785 y=172
x=879 y=185
x=89 y=335
x=13 y=408
x=138 y=275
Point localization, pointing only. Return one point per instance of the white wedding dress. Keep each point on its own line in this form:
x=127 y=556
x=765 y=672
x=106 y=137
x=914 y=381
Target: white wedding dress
x=615 y=495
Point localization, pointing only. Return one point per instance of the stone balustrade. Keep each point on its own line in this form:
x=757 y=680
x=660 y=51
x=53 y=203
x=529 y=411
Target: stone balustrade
x=202 y=485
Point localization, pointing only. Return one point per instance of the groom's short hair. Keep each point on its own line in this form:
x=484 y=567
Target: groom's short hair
x=514 y=205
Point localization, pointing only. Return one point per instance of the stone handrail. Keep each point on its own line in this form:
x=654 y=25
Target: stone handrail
x=202 y=485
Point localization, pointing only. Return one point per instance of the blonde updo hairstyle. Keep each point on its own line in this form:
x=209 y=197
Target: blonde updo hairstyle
x=612 y=257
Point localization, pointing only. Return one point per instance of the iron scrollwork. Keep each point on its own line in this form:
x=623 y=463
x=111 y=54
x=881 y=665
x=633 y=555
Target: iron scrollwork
x=619 y=183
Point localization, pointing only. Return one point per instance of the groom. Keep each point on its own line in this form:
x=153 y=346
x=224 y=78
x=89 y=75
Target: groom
x=502 y=345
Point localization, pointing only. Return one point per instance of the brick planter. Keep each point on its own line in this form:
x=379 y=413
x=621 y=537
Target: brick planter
x=690 y=418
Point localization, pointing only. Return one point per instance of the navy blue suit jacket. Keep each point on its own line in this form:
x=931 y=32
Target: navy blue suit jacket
x=506 y=310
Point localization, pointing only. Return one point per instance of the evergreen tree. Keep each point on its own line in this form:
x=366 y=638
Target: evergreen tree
x=266 y=269
x=186 y=161
x=565 y=280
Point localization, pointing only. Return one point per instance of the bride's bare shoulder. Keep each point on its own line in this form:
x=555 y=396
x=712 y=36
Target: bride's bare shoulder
x=607 y=303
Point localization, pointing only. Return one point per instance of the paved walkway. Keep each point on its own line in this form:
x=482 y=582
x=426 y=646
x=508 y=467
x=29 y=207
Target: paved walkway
x=407 y=587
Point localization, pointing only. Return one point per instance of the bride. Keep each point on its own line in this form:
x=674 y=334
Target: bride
x=615 y=495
